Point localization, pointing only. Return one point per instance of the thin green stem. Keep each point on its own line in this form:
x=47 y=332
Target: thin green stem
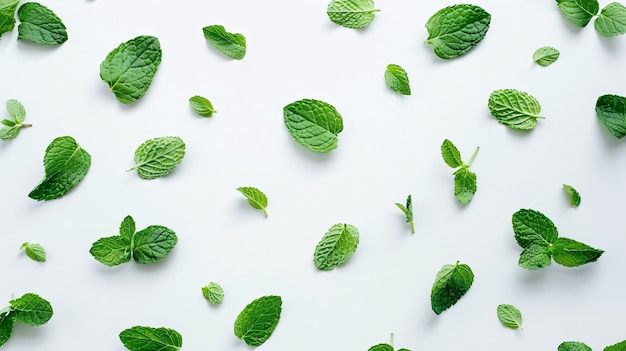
x=391 y=339
x=469 y=163
x=6 y=309
x=26 y=125
x=264 y=212
x=412 y=228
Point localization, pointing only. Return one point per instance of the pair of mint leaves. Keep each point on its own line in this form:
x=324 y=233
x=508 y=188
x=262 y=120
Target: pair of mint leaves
x=386 y=347
x=611 y=21
x=146 y=246
x=464 y=179
x=38 y=23
x=579 y=346
x=30 y=309
x=539 y=238
x=13 y=126
x=36 y=252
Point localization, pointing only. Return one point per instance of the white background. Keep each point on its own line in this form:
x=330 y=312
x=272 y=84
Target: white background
x=389 y=148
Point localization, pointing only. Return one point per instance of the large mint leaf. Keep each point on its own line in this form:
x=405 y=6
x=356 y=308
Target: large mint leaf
x=40 y=25
x=31 y=309
x=6 y=327
x=573 y=346
x=141 y=338
x=314 y=124
x=158 y=157
x=620 y=346
x=130 y=68
x=65 y=164
x=455 y=30
x=336 y=247
x=580 y=12
x=256 y=323
x=7 y=16
x=153 y=244
x=111 y=251
x=451 y=283
x=232 y=45
x=351 y=13
x=571 y=253
x=611 y=110
x=533 y=227
x=515 y=109
x=612 y=20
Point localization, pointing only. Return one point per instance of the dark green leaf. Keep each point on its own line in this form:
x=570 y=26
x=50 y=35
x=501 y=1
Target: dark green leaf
x=6 y=327
x=580 y=12
x=141 y=338
x=451 y=283
x=571 y=253
x=31 y=309
x=256 y=323
x=153 y=243
x=573 y=195
x=40 y=25
x=464 y=185
x=611 y=110
x=127 y=229
x=533 y=227
x=620 y=346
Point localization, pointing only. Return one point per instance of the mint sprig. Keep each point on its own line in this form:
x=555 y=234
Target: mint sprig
x=13 y=126
x=30 y=309
x=611 y=21
x=464 y=179
x=408 y=212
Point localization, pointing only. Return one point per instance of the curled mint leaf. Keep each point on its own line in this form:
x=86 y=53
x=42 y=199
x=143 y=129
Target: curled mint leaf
x=510 y=316
x=35 y=251
x=515 y=109
x=232 y=45
x=546 y=55
x=336 y=247
x=573 y=195
x=213 y=293
x=612 y=20
x=611 y=110
x=408 y=212
x=397 y=79
x=580 y=12
x=313 y=124
x=451 y=283
x=40 y=25
x=351 y=13
x=158 y=157
x=140 y=338
x=258 y=320
x=202 y=106
x=256 y=198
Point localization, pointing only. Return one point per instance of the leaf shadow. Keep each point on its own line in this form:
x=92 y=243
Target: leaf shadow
x=29 y=46
x=571 y=27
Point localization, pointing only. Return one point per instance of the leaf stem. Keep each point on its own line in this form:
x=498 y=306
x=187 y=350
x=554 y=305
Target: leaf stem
x=412 y=228
x=264 y=212
x=469 y=163
x=26 y=125
x=6 y=309
x=391 y=339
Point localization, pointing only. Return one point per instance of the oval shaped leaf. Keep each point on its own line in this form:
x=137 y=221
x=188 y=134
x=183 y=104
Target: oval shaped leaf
x=336 y=247
x=611 y=110
x=571 y=253
x=255 y=197
x=397 y=79
x=314 y=124
x=455 y=30
x=533 y=227
x=451 y=283
x=153 y=244
x=546 y=56
x=612 y=20
x=351 y=13
x=580 y=12
x=158 y=157
x=202 y=106
x=232 y=45
x=381 y=347
x=620 y=346
x=510 y=316
x=35 y=251
x=464 y=185
x=111 y=251
x=515 y=109
x=40 y=25
x=256 y=323
x=573 y=346
x=213 y=293
x=139 y=338
x=31 y=309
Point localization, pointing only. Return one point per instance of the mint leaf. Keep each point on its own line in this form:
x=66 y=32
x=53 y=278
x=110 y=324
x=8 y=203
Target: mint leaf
x=40 y=25
x=232 y=45
x=580 y=12
x=336 y=247
x=158 y=157
x=7 y=17
x=34 y=251
x=213 y=293
x=451 y=283
x=510 y=316
x=455 y=30
x=13 y=127
x=546 y=56
x=6 y=327
x=255 y=197
x=515 y=109
x=130 y=68
x=351 y=13
x=256 y=323
x=451 y=154
x=141 y=338
x=381 y=347
x=535 y=256
x=127 y=229
x=408 y=212
x=202 y=106
x=16 y=110
x=9 y=133
x=573 y=346
x=612 y=20
x=313 y=124
x=573 y=195
x=31 y=309
x=571 y=253
x=533 y=227
x=111 y=251
x=464 y=179
x=397 y=79
x=65 y=164
x=611 y=110
x=620 y=346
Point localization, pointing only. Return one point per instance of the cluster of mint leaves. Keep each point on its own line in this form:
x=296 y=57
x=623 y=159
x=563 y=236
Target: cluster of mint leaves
x=38 y=24
x=30 y=309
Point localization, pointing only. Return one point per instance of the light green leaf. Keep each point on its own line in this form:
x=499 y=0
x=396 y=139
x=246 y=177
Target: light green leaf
x=620 y=346
x=213 y=293
x=580 y=12
x=535 y=256
x=455 y=30
x=256 y=323
x=611 y=110
x=381 y=347
x=464 y=185
x=408 y=212
x=571 y=253
x=573 y=195
x=510 y=316
x=127 y=229
x=314 y=124
x=255 y=197
x=158 y=157
x=7 y=16
x=612 y=20
x=202 y=106
x=397 y=79
x=130 y=68
x=451 y=283
x=16 y=110
x=232 y=45
x=6 y=327
x=111 y=251
x=9 y=133
x=546 y=55
x=336 y=247
x=31 y=309
x=40 y=25
x=574 y=346
x=153 y=244
x=139 y=338
x=35 y=251
x=533 y=227
x=515 y=109
x=65 y=164
x=451 y=154
x=351 y=13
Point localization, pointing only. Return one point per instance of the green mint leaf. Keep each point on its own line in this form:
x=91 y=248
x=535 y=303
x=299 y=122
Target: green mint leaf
x=533 y=227
x=381 y=347
x=9 y=133
x=336 y=247
x=255 y=197
x=573 y=346
x=573 y=195
x=546 y=56
x=256 y=323
x=7 y=123
x=111 y=251
x=213 y=293
x=158 y=157
x=451 y=154
x=451 y=283
x=611 y=110
x=580 y=12
x=404 y=350
x=7 y=16
x=16 y=110
x=510 y=316
x=535 y=256
x=65 y=164
x=127 y=229
x=612 y=20
x=13 y=127
x=40 y=25
x=464 y=185
x=130 y=68
x=571 y=253
x=397 y=79
x=515 y=109
x=351 y=13
x=620 y=346
x=6 y=327
x=232 y=45
x=153 y=244
x=314 y=124
x=34 y=251
x=31 y=309
x=202 y=106
x=408 y=212
x=455 y=30
x=139 y=338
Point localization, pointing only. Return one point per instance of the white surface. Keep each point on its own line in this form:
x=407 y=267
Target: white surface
x=388 y=149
